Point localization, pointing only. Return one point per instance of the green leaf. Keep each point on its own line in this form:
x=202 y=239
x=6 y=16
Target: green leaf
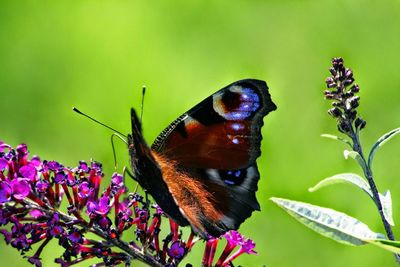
x=360 y=182
x=334 y=137
x=386 y=200
x=380 y=142
x=393 y=246
x=328 y=222
x=350 y=178
x=354 y=155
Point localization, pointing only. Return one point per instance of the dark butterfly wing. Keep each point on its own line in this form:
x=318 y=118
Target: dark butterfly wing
x=229 y=120
x=217 y=143
x=147 y=172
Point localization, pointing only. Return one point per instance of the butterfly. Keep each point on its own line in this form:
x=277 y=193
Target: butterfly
x=201 y=170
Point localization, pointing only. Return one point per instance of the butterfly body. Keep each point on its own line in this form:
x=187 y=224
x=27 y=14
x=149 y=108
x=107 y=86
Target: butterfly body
x=201 y=169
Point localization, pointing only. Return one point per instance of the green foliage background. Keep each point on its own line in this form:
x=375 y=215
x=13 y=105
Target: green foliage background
x=96 y=55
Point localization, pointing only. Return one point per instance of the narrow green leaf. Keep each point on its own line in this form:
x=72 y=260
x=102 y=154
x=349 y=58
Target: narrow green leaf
x=380 y=142
x=328 y=222
x=386 y=200
x=351 y=154
x=354 y=155
x=350 y=178
x=334 y=137
x=393 y=246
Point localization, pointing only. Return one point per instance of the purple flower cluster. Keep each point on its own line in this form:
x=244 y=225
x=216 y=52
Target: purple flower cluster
x=95 y=222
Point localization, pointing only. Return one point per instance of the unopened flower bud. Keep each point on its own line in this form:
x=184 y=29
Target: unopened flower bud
x=348 y=74
x=348 y=94
x=344 y=127
x=352 y=115
x=335 y=112
x=330 y=82
x=329 y=94
x=355 y=88
x=354 y=101
x=337 y=63
x=360 y=123
x=348 y=81
x=332 y=71
x=331 y=85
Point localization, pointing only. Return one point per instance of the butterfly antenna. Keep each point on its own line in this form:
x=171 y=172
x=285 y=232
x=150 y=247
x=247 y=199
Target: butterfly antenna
x=87 y=116
x=142 y=106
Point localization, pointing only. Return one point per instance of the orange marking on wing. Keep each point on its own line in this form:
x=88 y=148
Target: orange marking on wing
x=196 y=199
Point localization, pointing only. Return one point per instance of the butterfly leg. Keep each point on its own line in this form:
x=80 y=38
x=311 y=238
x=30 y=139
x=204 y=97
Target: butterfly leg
x=126 y=171
x=113 y=147
x=147 y=198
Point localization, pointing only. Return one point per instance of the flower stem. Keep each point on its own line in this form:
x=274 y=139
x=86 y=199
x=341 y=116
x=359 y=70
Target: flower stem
x=132 y=252
x=368 y=174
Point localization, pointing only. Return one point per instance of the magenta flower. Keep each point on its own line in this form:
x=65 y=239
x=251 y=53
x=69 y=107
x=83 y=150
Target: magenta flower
x=36 y=213
x=20 y=188
x=52 y=165
x=177 y=250
x=42 y=186
x=235 y=239
x=75 y=236
x=84 y=190
x=3 y=164
x=28 y=171
x=35 y=261
x=83 y=167
x=35 y=161
x=100 y=207
x=5 y=192
x=31 y=193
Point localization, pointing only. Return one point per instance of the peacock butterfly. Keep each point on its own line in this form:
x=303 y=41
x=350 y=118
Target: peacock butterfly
x=201 y=169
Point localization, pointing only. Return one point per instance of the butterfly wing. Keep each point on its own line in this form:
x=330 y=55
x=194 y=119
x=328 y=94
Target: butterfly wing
x=147 y=172
x=216 y=144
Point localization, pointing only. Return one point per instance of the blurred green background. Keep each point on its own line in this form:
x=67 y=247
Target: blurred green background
x=96 y=55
